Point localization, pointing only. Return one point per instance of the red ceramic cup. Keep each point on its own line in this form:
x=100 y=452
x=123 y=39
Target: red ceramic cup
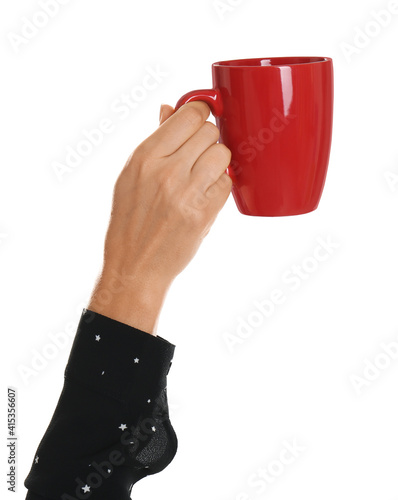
x=275 y=115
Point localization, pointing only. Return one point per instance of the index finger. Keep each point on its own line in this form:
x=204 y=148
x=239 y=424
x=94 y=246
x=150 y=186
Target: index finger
x=176 y=130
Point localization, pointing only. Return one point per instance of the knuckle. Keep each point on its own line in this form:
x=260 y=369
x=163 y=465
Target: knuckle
x=167 y=182
x=226 y=182
x=218 y=153
x=212 y=130
x=139 y=152
x=193 y=217
x=213 y=191
x=192 y=205
x=221 y=188
x=224 y=152
x=140 y=158
x=192 y=114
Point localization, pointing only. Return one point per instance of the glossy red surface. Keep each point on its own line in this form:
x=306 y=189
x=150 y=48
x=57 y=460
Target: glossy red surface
x=276 y=116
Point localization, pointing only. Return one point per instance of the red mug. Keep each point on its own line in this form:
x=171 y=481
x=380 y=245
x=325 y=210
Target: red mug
x=276 y=116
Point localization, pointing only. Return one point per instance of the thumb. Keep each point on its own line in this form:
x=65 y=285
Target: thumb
x=165 y=112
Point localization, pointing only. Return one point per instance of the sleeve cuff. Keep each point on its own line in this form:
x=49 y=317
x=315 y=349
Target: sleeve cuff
x=118 y=359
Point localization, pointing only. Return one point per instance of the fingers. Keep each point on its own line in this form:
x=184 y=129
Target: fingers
x=178 y=128
x=210 y=166
x=165 y=112
x=218 y=193
x=213 y=199
x=192 y=149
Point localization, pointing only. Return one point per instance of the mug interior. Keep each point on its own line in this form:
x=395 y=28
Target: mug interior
x=271 y=61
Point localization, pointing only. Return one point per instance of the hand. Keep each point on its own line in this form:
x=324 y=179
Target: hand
x=165 y=201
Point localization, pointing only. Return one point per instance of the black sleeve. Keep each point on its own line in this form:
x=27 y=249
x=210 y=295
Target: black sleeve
x=111 y=426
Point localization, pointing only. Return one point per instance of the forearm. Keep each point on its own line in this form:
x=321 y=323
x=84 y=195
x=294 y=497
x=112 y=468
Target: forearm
x=130 y=299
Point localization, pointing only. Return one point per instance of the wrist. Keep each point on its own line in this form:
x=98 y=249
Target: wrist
x=129 y=299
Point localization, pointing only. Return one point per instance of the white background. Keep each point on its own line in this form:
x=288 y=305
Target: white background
x=291 y=379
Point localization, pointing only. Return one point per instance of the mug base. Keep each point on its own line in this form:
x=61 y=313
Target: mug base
x=276 y=214
x=260 y=208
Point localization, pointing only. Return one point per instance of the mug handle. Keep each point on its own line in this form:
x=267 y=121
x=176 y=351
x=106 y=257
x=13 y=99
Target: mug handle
x=212 y=97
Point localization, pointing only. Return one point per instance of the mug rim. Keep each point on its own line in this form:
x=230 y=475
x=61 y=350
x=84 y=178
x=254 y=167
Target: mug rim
x=273 y=62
